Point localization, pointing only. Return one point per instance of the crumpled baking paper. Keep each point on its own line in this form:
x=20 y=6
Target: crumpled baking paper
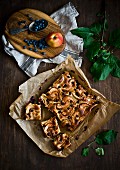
x=39 y=84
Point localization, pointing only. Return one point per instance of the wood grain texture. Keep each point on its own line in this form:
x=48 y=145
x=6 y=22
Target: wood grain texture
x=17 y=151
x=17 y=40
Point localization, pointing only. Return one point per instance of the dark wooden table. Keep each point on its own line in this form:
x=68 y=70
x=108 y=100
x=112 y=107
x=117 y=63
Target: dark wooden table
x=17 y=151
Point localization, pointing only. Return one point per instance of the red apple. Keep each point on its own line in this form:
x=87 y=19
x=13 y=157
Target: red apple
x=54 y=39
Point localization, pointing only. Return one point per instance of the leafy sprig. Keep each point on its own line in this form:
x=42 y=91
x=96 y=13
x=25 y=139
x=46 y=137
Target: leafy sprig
x=103 y=138
x=99 y=51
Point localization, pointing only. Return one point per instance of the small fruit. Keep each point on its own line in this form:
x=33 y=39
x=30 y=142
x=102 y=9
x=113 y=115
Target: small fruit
x=39 y=25
x=54 y=39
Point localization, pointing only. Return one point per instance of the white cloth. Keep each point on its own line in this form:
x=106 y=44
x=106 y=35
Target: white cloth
x=66 y=19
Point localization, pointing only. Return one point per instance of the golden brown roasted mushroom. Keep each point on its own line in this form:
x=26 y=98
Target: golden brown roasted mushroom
x=50 y=127
x=33 y=112
x=62 y=141
x=66 y=102
x=69 y=101
x=53 y=94
x=79 y=93
x=69 y=85
x=89 y=99
x=59 y=82
x=75 y=120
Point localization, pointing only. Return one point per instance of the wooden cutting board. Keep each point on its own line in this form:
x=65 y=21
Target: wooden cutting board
x=17 y=40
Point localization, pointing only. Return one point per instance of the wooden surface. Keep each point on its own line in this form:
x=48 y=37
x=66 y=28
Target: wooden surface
x=17 y=151
x=17 y=40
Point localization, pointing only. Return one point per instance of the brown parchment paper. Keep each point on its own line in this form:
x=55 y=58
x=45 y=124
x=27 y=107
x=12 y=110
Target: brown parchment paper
x=39 y=84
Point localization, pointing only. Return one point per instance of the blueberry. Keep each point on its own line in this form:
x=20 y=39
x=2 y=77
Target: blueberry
x=10 y=49
x=39 y=45
x=37 y=20
x=26 y=26
x=30 y=18
x=35 y=50
x=43 y=53
x=25 y=40
x=30 y=42
x=19 y=23
x=30 y=49
x=34 y=41
x=35 y=45
x=41 y=48
x=24 y=47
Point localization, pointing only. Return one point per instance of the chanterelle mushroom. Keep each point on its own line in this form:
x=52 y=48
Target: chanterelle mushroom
x=50 y=127
x=62 y=141
x=33 y=112
x=69 y=101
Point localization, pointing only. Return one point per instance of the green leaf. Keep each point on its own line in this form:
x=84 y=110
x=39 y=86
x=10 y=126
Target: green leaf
x=116 y=70
x=116 y=66
x=106 y=137
x=96 y=28
x=114 y=38
x=82 y=29
x=88 y=41
x=104 y=44
x=99 y=151
x=93 y=50
x=112 y=60
x=85 y=151
x=82 y=32
x=104 y=55
x=100 y=70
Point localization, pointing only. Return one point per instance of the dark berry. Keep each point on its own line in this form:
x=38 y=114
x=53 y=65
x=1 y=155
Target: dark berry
x=31 y=19
x=30 y=49
x=10 y=49
x=32 y=99
x=41 y=48
x=43 y=53
x=24 y=47
x=39 y=25
x=25 y=40
x=37 y=20
x=30 y=42
x=19 y=23
x=76 y=137
x=35 y=50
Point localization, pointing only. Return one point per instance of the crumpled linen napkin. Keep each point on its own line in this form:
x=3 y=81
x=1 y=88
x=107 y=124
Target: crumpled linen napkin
x=65 y=17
